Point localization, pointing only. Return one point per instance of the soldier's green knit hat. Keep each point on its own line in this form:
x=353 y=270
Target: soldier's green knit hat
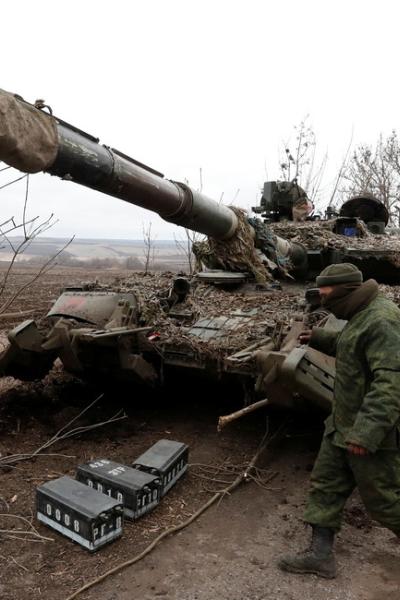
x=339 y=274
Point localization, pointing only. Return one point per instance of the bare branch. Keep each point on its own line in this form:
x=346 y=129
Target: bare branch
x=236 y=195
x=375 y=170
x=44 y=269
x=302 y=161
x=185 y=247
x=13 y=181
x=342 y=169
x=64 y=433
x=25 y=205
x=201 y=180
x=149 y=247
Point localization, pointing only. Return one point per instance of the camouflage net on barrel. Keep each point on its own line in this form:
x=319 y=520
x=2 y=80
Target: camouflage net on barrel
x=238 y=253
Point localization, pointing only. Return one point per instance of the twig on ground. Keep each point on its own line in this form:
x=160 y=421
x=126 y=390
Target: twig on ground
x=19 y=564
x=17 y=315
x=17 y=532
x=212 y=472
x=4 y=501
x=62 y=434
x=35 y=455
x=213 y=479
x=262 y=482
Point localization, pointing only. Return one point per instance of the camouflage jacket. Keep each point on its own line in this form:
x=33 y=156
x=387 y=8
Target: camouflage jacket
x=366 y=406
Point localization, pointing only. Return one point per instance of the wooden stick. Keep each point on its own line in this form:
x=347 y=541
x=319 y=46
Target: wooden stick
x=224 y=420
x=17 y=315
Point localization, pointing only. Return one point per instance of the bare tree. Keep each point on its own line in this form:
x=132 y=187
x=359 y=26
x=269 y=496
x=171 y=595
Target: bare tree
x=376 y=170
x=336 y=190
x=298 y=163
x=149 y=247
x=298 y=153
x=27 y=230
x=184 y=246
x=132 y=263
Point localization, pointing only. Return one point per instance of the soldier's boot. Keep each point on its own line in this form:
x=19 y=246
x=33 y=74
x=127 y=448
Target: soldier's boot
x=318 y=559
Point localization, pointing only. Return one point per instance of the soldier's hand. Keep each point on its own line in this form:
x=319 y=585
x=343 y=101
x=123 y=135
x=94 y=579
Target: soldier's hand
x=357 y=450
x=305 y=336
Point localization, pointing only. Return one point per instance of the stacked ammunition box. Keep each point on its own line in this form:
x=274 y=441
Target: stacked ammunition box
x=78 y=512
x=166 y=459
x=90 y=509
x=138 y=491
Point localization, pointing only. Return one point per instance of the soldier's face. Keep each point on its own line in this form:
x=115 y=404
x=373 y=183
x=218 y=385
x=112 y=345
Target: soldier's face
x=326 y=290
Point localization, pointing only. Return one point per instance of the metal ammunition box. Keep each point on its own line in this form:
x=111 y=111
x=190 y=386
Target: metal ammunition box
x=167 y=459
x=78 y=512
x=138 y=491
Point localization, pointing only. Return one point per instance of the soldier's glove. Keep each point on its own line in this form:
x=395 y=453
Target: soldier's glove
x=357 y=450
x=305 y=336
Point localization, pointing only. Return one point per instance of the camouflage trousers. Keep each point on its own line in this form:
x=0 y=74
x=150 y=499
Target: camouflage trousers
x=337 y=473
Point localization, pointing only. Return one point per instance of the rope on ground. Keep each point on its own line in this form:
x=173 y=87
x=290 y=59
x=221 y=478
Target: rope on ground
x=244 y=476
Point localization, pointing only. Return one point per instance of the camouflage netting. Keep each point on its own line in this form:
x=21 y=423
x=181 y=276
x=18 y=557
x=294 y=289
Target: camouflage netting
x=235 y=254
x=28 y=137
x=392 y=292
x=314 y=235
x=319 y=235
x=275 y=310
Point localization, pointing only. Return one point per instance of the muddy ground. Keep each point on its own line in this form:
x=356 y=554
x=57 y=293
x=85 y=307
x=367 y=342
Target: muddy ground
x=229 y=552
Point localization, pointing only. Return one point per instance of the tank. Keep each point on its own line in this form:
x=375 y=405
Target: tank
x=236 y=320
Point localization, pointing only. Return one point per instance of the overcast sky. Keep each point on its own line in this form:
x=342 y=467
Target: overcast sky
x=187 y=84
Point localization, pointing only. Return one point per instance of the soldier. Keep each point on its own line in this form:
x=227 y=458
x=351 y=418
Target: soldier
x=360 y=447
x=301 y=209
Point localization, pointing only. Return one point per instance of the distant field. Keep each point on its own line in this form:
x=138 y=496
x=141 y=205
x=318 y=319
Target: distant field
x=165 y=253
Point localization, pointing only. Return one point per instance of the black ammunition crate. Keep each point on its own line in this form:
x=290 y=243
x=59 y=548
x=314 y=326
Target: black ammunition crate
x=166 y=459
x=81 y=514
x=139 y=492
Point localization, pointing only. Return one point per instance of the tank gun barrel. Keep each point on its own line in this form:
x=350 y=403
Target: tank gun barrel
x=32 y=140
